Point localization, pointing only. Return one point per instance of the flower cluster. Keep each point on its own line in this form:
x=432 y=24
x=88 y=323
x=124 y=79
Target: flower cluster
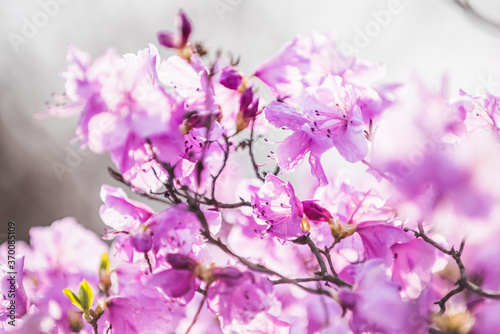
x=380 y=251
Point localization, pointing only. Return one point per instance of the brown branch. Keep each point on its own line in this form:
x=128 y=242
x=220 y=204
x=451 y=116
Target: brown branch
x=298 y=280
x=224 y=162
x=205 y=294
x=119 y=177
x=462 y=283
x=194 y=207
x=326 y=252
x=319 y=258
x=250 y=152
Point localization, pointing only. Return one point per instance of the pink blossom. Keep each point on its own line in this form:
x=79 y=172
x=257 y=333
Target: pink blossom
x=238 y=296
x=127 y=219
x=276 y=204
x=306 y=61
x=486 y=318
x=328 y=116
x=179 y=282
x=375 y=302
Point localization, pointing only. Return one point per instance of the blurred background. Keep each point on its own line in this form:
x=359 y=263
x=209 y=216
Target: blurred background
x=430 y=38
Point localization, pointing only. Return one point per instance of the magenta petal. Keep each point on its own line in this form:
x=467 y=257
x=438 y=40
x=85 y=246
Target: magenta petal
x=487 y=319
x=181 y=262
x=412 y=266
x=166 y=39
x=378 y=237
x=352 y=143
x=228 y=275
x=282 y=115
x=230 y=78
x=246 y=98
x=184 y=26
x=316 y=212
x=174 y=283
x=142 y=241
x=291 y=151
x=317 y=169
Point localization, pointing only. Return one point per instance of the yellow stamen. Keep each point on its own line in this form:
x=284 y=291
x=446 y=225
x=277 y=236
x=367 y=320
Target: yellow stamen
x=304 y=224
x=454 y=323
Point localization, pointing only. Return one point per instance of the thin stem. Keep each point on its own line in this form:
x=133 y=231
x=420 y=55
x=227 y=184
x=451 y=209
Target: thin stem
x=224 y=162
x=149 y=262
x=317 y=254
x=381 y=173
x=463 y=283
x=205 y=294
x=442 y=301
x=119 y=177
x=194 y=207
x=326 y=252
x=474 y=13
x=298 y=280
x=250 y=152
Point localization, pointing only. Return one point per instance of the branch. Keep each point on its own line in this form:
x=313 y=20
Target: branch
x=250 y=152
x=298 y=280
x=326 y=252
x=119 y=177
x=462 y=283
x=224 y=162
x=380 y=172
x=317 y=254
x=194 y=207
x=475 y=14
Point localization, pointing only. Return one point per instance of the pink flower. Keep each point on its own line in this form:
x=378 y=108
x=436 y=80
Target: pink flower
x=54 y=261
x=306 y=61
x=238 y=296
x=179 y=282
x=12 y=285
x=479 y=113
x=328 y=116
x=134 y=307
x=487 y=320
x=376 y=304
x=127 y=219
x=413 y=266
x=178 y=230
x=118 y=96
x=276 y=204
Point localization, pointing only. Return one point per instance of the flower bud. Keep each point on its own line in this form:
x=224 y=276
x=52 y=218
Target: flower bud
x=316 y=212
x=230 y=78
x=181 y=262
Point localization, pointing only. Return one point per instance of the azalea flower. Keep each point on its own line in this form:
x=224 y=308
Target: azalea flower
x=328 y=116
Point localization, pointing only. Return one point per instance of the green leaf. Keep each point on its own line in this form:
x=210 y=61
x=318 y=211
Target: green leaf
x=73 y=298
x=85 y=295
x=104 y=263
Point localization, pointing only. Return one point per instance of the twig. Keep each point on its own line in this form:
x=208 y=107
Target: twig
x=326 y=252
x=381 y=173
x=250 y=151
x=462 y=283
x=205 y=294
x=119 y=177
x=319 y=258
x=193 y=206
x=298 y=280
x=224 y=162
x=474 y=13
